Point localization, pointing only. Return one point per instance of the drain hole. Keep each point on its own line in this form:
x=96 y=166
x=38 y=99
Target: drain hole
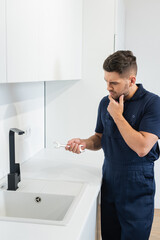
x=38 y=199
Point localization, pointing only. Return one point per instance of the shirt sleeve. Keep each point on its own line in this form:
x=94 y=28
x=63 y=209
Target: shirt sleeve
x=99 y=125
x=150 y=121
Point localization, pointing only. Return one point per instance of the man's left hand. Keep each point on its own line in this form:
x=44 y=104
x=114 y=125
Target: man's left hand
x=115 y=109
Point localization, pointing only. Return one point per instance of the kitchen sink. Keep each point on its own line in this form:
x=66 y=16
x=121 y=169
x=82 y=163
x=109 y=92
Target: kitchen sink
x=41 y=201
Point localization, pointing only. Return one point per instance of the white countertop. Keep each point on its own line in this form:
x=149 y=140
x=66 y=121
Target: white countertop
x=58 y=164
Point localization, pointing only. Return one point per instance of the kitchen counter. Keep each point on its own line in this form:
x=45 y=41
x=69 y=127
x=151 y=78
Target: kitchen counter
x=58 y=164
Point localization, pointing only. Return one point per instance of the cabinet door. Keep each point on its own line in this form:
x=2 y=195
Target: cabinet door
x=44 y=40
x=2 y=42
x=119 y=36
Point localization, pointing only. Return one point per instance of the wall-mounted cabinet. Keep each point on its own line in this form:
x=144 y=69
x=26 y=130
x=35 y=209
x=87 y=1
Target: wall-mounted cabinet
x=119 y=32
x=2 y=42
x=44 y=40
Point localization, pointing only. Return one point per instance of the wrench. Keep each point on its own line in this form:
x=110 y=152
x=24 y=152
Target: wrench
x=58 y=145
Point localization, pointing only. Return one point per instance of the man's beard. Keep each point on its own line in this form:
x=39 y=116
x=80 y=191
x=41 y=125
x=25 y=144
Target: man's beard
x=125 y=93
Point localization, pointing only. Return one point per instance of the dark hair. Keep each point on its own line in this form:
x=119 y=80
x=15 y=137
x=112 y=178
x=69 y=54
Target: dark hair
x=122 y=62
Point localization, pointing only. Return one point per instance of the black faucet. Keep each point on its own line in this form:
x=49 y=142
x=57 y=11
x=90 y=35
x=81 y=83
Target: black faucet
x=14 y=177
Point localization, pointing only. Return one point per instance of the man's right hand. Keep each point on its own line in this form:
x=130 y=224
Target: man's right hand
x=73 y=145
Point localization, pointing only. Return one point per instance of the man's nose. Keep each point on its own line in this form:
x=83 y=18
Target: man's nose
x=109 y=87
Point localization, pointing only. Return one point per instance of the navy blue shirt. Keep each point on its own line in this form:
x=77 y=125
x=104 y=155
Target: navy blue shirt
x=142 y=112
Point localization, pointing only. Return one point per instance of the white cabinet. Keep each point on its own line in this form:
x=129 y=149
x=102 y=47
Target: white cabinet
x=2 y=42
x=119 y=37
x=44 y=40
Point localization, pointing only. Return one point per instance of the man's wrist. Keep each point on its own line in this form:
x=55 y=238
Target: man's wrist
x=118 y=117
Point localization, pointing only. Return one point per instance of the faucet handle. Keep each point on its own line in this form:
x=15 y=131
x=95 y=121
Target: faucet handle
x=16 y=130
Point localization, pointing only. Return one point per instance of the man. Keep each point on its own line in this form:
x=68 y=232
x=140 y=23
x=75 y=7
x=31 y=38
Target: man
x=128 y=128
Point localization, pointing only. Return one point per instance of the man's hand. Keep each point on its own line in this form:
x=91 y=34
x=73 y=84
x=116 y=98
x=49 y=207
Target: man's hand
x=91 y=143
x=115 y=109
x=73 y=145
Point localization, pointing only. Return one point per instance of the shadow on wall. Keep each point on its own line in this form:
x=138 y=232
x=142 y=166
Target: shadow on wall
x=18 y=98
x=10 y=111
x=56 y=88
x=17 y=92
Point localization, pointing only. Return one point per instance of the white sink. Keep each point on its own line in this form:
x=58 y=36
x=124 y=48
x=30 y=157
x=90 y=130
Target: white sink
x=41 y=201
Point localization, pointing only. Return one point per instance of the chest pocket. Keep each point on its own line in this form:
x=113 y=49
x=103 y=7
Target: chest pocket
x=131 y=119
x=110 y=128
x=133 y=113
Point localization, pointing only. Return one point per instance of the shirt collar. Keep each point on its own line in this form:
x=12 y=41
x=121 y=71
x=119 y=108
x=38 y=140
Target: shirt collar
x=138 y=94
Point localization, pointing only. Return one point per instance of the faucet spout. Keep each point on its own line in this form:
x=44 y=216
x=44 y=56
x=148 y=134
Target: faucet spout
x=14 y=176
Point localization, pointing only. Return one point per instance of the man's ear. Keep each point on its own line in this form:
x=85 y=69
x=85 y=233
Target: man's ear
x=132 y=79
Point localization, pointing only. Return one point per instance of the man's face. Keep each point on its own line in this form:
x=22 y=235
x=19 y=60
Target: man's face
x=116 y=85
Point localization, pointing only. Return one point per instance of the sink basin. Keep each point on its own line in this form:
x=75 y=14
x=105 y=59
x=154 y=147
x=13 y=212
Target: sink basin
x=41 y=201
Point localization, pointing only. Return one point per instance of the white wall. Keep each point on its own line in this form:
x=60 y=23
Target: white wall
x=2 y=42
x=72 y=106
x=143 y=38
x=21 y=106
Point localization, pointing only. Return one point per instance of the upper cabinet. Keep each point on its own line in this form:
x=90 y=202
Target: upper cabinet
x=44 y=40
x=2 y=42
x=119 y=36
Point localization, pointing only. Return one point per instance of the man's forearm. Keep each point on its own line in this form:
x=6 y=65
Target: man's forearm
x=134 y=139
x=93 y=142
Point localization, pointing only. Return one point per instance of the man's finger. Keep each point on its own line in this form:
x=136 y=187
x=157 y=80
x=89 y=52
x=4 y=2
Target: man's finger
x=121 y=99
x=110 y=98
